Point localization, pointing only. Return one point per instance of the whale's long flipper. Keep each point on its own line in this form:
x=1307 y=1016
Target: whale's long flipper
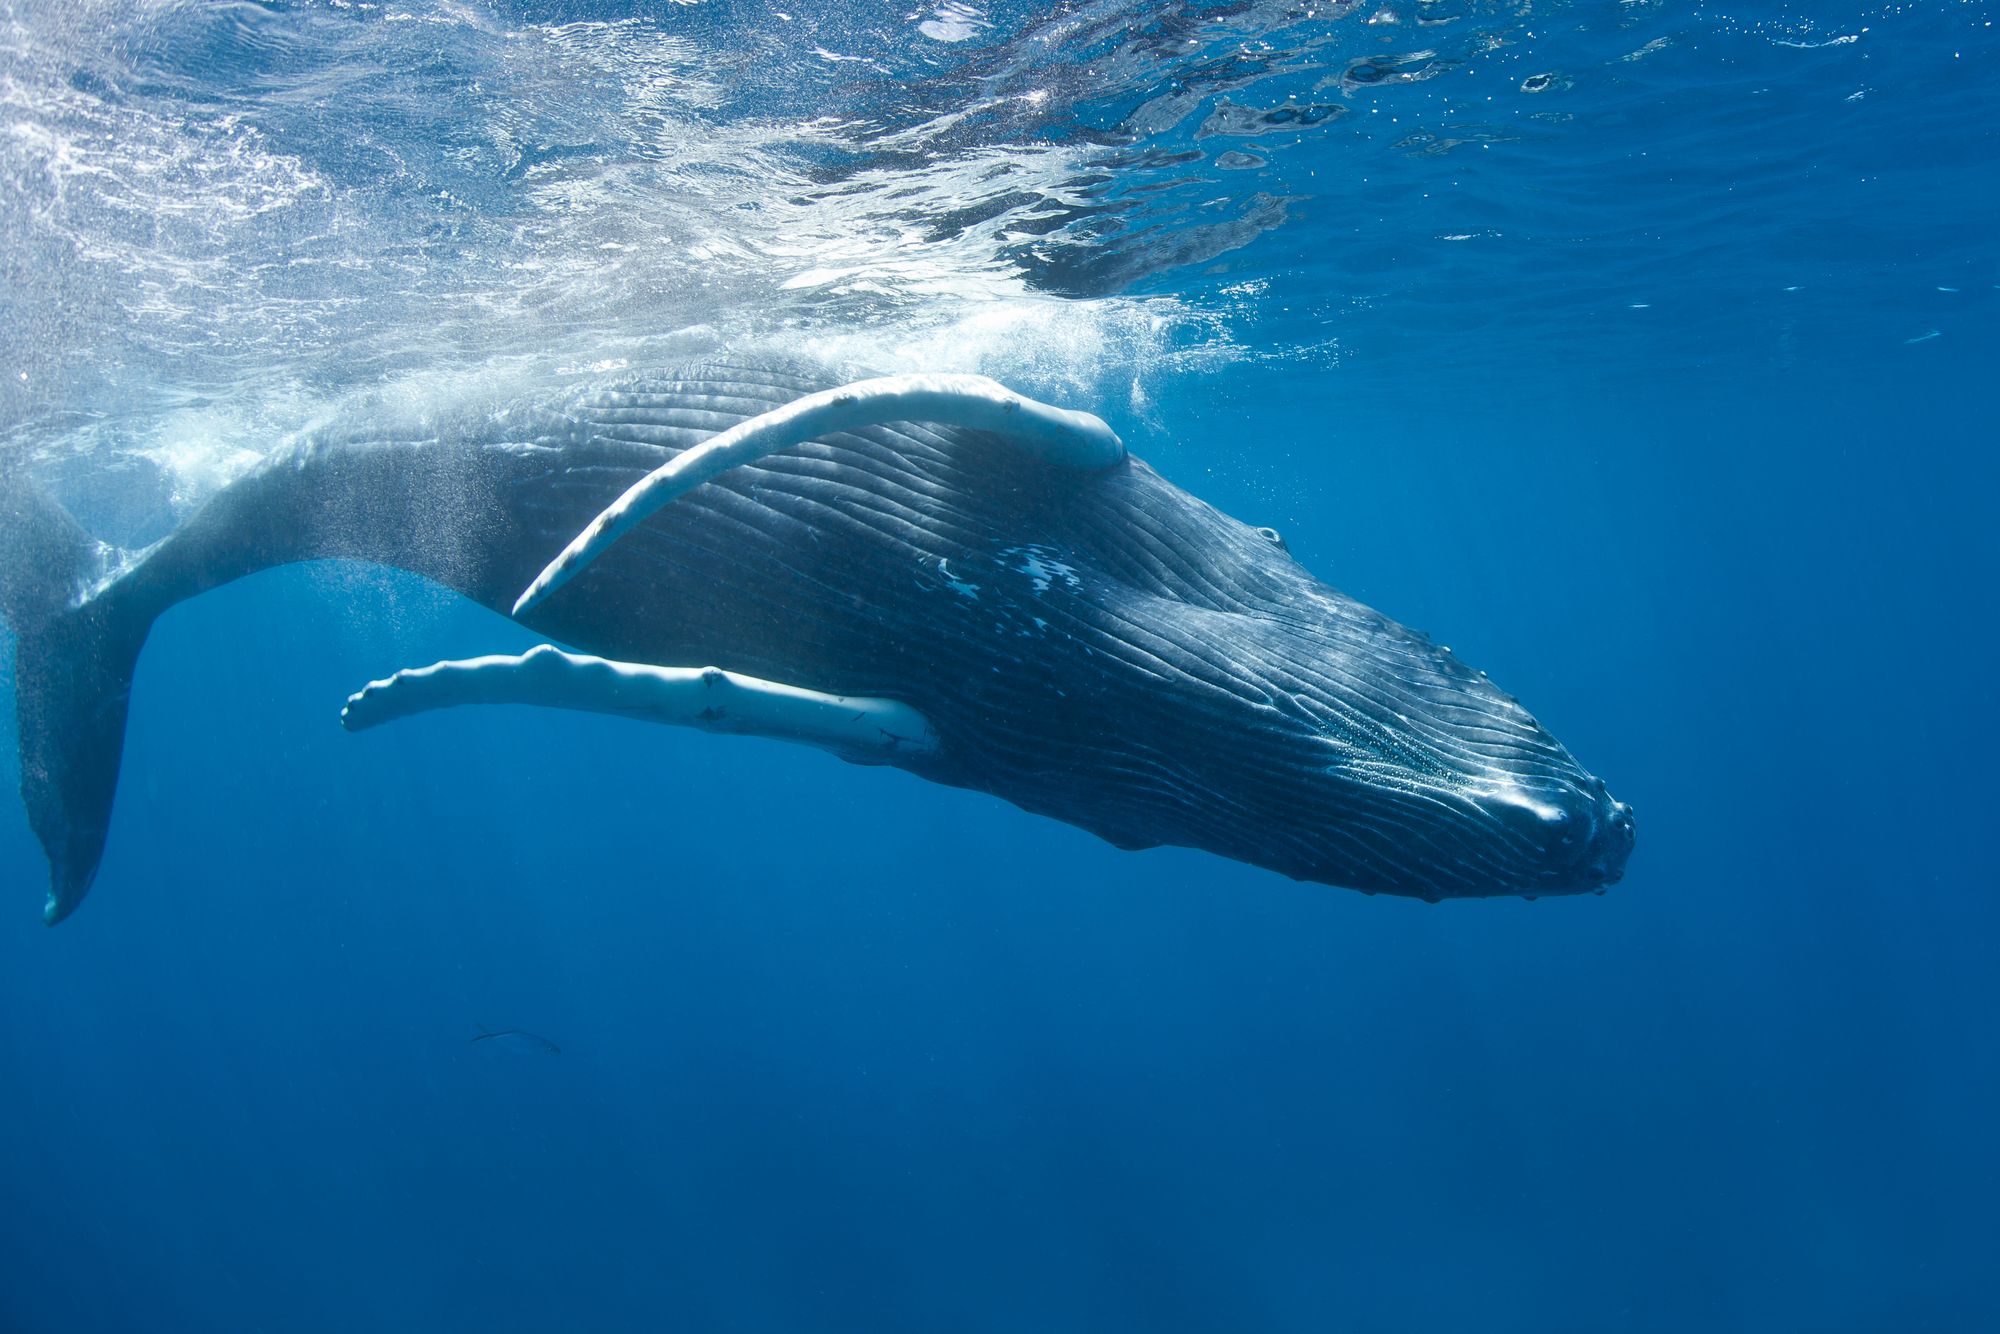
x=856 y=728
x=1059 y=435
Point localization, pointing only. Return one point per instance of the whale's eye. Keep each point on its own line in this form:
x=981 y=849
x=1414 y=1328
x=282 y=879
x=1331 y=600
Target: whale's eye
x=1274 y=537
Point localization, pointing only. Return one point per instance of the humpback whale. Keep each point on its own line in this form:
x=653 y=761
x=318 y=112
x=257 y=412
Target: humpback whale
x=927 y=572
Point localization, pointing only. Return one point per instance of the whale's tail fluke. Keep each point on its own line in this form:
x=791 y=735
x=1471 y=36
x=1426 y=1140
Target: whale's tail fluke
x=80 y=609
x=75 y=649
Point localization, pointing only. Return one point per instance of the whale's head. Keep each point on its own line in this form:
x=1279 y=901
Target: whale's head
x=1235 y=703
x=1392 y=766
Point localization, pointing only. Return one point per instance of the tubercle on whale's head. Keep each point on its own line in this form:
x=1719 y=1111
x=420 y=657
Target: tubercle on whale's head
x=1577 y=836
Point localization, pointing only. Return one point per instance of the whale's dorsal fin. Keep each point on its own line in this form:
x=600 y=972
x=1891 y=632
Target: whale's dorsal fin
x=1058 y=435
x=853 y=726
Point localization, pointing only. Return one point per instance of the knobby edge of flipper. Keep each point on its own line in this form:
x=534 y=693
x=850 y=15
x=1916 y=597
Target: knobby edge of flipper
x=855 y=727
x=76 y=645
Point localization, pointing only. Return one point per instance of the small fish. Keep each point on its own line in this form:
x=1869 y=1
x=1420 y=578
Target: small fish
x=518 y=1039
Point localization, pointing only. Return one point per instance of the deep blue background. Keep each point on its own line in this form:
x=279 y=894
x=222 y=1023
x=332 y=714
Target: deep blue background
x=843 y=1051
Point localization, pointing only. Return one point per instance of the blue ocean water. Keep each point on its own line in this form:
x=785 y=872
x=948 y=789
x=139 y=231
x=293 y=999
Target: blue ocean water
x=1642 y=352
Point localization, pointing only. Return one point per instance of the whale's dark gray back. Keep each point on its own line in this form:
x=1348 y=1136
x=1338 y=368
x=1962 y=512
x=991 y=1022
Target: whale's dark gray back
x=1100 y=647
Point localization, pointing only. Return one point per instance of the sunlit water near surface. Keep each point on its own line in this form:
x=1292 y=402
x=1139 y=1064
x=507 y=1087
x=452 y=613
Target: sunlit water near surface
x=1642 y=351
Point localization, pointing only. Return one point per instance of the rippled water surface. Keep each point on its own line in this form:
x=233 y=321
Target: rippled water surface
x=221 y=218
x=1642 y=349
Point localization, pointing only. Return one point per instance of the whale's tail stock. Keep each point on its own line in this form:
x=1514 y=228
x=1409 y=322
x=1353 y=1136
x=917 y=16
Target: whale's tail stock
x=76 y=643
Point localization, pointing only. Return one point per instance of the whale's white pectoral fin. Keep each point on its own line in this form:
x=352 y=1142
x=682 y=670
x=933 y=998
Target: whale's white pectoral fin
x=856 y=727
x=1058 y=435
